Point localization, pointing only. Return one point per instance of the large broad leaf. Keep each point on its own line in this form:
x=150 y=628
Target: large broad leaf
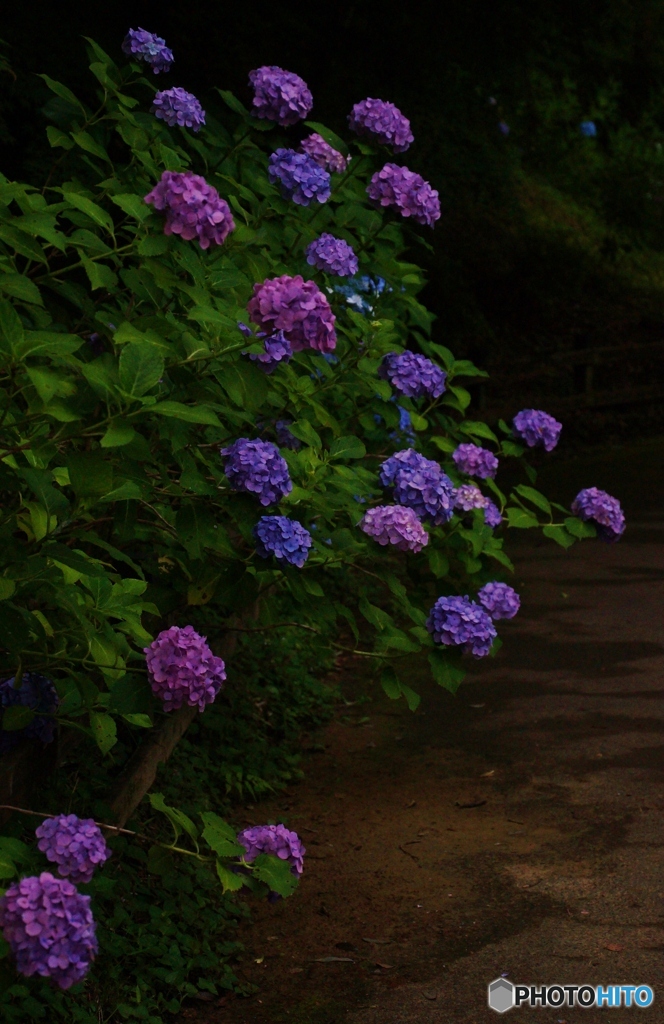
x=330 y=137
x=141 y=367
x=520 y=518
x=446 y=670
x=11 y=328
x=276 y=873
x=220 y=837
x=16 y=717
x=347 y=448
x=92 y=210
x=188 y=413
x=231 y=881
x=21 y=287
x=89 y=473
x=179 y=820
x=104 y=731
x=537 y=499
x=244 y=384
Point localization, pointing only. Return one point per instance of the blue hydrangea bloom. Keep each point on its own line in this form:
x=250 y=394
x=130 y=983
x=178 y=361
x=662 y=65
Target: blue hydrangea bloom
x=460 y=622
x=284 y=538
x=535 y=427
x=598 y=507
x=300 y=177
x=277 y=348
x=420 y=484
x=333 y=255
x=500 y=600
x=492 y=514
x=588 y=129
x=148 y=47
x=178 y=107
x=258 y=468
x=413 y=374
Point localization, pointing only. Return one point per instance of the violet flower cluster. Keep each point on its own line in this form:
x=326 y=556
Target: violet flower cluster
x=258 y=468
x=382 y=121
x=280 y=95
x=397 y=525
x=469 y=496
x=178 y=107
x=420 y=484
x=284 y=538
x=413 y=374
x=333 y=255
x=76 y=845
x=37 y=693
x=49 y=928
x=407 y=192
x=598 y=507
x=460 y=622
x=284 y=437
x=492 y=514
x=499 y=599
x=475 y=461
x=182 y=669
x=276 y=348
x=535 y=427
x=148 y=47
x=193 y=208
x=296 y=307
x=277 y=840
x=326 y=156
x=300 y=177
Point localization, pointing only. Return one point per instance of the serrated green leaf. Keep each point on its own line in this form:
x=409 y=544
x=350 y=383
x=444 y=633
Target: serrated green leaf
x=580 y=529
x=537 y=499
x=179 y=820
x=21 y=287
x=275 y=873
x=117 y=434
x=141 y=367
x=90 y=209
x=478 y=429
x=188 y=413
x=521 y=519
x=446 y=670
x=231 y=881
x=90 y=145
x=133 y=205
x=58 y=138
x=559 y=534
x=104 y=731
x=347 y=448
x=220 y=837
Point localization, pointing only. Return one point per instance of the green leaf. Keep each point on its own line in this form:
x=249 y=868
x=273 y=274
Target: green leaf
x=63 y=92
x=141 y=367
x=47 y=343
x=390 y=683
x=244 y=384
x=7 y=588
x=347 y=448
x=49 y=385
x=132 y=205
x=100 y=276
x=478 y=429
x=537 y=499
x=16 y=717
x=117 y=434
x=412 y=699
x=231 y=101
x=143 y=721
x=230 y=881
x=559 y=534
x=276 y=873
x=15 y=850
x=89 y=473
x=58 y=138
x=189 y=413
x=220 y=837
x=438 y=562
x=11 y=328
x=86 y=142
x=90 y=209
x=580 y=529
x=513 y=449
x=446 y=671
x=303 y=430
x=445 y=444
x=179 y=820
x=520 y=518
x=127 y=491
x=330 y=137
x=160 y=861
x=104 y=731
x=21 y=287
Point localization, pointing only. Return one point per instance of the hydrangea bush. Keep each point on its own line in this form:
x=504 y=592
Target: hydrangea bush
x=143 y=442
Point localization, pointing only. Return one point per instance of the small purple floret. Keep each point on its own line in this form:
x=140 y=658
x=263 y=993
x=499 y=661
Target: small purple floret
x=397 y=525
x=274 y=839
x=49 y=928
x=382 y=121
x=37 y=693
x=475 y=461
x=276 y=348
x=598 y=507
x=258 y=468
x=284 y=538
x=492 y=514
x=469 y=496
x=298 y=308
x=326 y=156
x=178 y=107
x=413 y=374
x=333 y=255
x=407 y=192
x=193 y=208
x=148 y=47
x=280 y=95
x=76 y=845
x=535 y=427
x=300 y=177
x=420 y=484
x=460 y=622
x=183 y=670
x=499 y=600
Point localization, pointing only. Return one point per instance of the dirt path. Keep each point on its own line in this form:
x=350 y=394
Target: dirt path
x=515 y=829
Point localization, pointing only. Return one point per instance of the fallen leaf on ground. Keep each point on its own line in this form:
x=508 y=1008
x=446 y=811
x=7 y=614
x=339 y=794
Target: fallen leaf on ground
x=386 y=967
x=333 y=960
x=486 y=775
x=430 y=995
x=378 y=942
x=614 y=947
x=473 y=803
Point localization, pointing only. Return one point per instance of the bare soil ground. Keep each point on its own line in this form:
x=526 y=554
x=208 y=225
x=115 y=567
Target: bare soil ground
x=514 y=829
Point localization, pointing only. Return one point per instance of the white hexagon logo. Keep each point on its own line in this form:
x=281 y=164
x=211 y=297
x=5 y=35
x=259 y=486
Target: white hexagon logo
x=501 y=995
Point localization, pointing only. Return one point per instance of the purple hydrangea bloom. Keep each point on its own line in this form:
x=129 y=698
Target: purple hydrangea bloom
x=257 y=467
x=298 y=308
x=274 y=839
x=499 y=600
x=326 y=156
x=76 y=845
x=467 y=497
x=413 y=375
x=276 y=348
x=475 y=461
x=194 y=209
x=35 y=692
x=420 y=484
x=300 y=177
x=49 y=928
x=460 y=622
x=284 y=538
x=407 y=192
x=492 y=514
x=284 y=437
x=280 y=95
x=598 y=507
x=395 y=524
x=182 y=669
x=333 y=255
x=178 y=107
x=148 y=47
x=537 y=428
x=383 y=122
